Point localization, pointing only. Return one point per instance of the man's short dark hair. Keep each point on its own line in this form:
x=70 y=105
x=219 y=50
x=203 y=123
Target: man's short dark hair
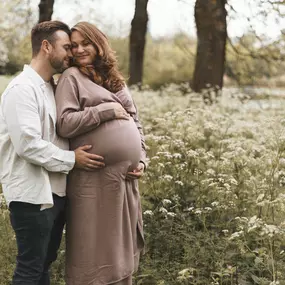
x=46 y=31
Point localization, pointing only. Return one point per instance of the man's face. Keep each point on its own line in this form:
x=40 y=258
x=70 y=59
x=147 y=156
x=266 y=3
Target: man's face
x=61 y=53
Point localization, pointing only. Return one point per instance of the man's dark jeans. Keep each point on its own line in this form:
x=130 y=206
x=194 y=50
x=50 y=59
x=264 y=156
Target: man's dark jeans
x=38 y=235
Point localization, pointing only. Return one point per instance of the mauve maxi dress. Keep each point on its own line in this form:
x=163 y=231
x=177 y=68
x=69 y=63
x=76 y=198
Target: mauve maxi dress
x=104 y=231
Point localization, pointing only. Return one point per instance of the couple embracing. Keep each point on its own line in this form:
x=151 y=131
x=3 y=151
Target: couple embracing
x=72 y=154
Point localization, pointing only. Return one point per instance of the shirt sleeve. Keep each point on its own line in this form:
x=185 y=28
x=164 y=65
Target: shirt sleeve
x=72 y=120
x=21 y=114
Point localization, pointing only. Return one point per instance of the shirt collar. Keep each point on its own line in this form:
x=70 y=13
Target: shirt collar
x=34 y=75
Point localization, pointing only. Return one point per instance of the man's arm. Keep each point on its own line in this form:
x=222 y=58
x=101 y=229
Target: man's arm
x=21 y=113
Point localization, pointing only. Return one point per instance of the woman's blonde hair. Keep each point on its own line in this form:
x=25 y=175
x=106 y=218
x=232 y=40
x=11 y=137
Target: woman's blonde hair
x=104 y=70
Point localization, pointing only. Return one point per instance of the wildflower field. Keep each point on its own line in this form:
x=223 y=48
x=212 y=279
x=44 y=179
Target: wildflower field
x=213 y=194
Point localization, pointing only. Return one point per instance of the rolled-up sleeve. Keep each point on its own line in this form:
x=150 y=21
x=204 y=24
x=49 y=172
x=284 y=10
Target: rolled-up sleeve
x=21 y=114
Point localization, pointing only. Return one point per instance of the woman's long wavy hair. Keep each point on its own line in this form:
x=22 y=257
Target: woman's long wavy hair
x=104 y=70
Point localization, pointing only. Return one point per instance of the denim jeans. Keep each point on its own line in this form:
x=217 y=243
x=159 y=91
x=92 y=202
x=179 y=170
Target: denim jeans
x=38 y=235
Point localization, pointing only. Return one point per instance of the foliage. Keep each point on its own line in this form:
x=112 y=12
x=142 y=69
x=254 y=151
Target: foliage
x=253 y=62
x=15 y=25
x=172 y=60
x=251 y=59
x=213 y=193
x=169 y=60
x=4 y=80
x=3 y=54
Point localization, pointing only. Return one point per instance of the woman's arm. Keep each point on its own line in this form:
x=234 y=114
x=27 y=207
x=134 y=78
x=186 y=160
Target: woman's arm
x=139 y=126
x=71 y=120
x=129 y=105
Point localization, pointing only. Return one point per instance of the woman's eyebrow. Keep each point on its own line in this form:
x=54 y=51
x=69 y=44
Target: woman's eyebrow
x=82 y=41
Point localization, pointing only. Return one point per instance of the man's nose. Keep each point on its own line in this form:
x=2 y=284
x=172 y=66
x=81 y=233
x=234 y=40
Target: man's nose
x=69 y=54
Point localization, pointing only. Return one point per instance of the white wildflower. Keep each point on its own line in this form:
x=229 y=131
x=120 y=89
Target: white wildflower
x=274 y=283
x=148 y=213
x=192 y=153
x=167 y=177
x=236 y=235
x=282 y=162
x=175 y=198
x=184 y=271
x=190 y=209
x=155 y=157
x=260 y=197
x=171 y=214
x=198 y=212
x=163 y=210
x=253 y=221
x=166 y=202
x=269 y=230
x=233 y=181
x=176 y=155
x=211 y=172
x=227 y=186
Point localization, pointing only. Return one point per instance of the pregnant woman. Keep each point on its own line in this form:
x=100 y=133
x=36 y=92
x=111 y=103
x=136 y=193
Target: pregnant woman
x=104 y=235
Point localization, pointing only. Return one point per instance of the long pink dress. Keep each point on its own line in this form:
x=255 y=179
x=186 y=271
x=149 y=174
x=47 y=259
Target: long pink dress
x=104 y=221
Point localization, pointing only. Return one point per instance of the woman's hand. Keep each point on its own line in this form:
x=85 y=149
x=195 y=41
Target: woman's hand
x=136 y=173
x=120 y=112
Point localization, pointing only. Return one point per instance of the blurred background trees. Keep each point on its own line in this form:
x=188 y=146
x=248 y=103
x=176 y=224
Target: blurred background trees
x=137 y=42
x=209 y=59
x=45 y=10
x=16 y=21
x=211 y=24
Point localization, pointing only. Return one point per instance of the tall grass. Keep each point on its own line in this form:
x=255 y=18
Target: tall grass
x=213 y=193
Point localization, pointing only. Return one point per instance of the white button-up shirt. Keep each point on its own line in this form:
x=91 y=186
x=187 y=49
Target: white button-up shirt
x=33 y=159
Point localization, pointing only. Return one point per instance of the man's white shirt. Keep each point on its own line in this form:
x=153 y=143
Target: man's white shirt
x=34 y=161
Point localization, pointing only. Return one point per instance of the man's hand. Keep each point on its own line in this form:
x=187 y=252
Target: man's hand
x=136 y=173
x=87 y=161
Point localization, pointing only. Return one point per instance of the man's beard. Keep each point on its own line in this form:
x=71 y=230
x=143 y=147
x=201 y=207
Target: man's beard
x=58 y=65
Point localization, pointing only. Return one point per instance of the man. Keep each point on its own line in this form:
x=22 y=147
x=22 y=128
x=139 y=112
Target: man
x=33 y=162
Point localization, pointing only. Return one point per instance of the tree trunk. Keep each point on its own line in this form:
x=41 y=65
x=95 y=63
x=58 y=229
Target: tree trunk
x=211 y=24
x=46 y=10
x=137 y=42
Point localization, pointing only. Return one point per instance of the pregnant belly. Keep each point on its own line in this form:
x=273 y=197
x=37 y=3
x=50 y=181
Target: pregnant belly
x=116 y=140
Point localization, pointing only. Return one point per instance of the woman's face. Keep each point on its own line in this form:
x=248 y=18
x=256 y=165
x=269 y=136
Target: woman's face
x=82 y=49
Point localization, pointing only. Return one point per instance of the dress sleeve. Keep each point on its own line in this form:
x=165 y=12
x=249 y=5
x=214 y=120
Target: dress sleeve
x=71 y=119
x=129 y=105
x=139 y=126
